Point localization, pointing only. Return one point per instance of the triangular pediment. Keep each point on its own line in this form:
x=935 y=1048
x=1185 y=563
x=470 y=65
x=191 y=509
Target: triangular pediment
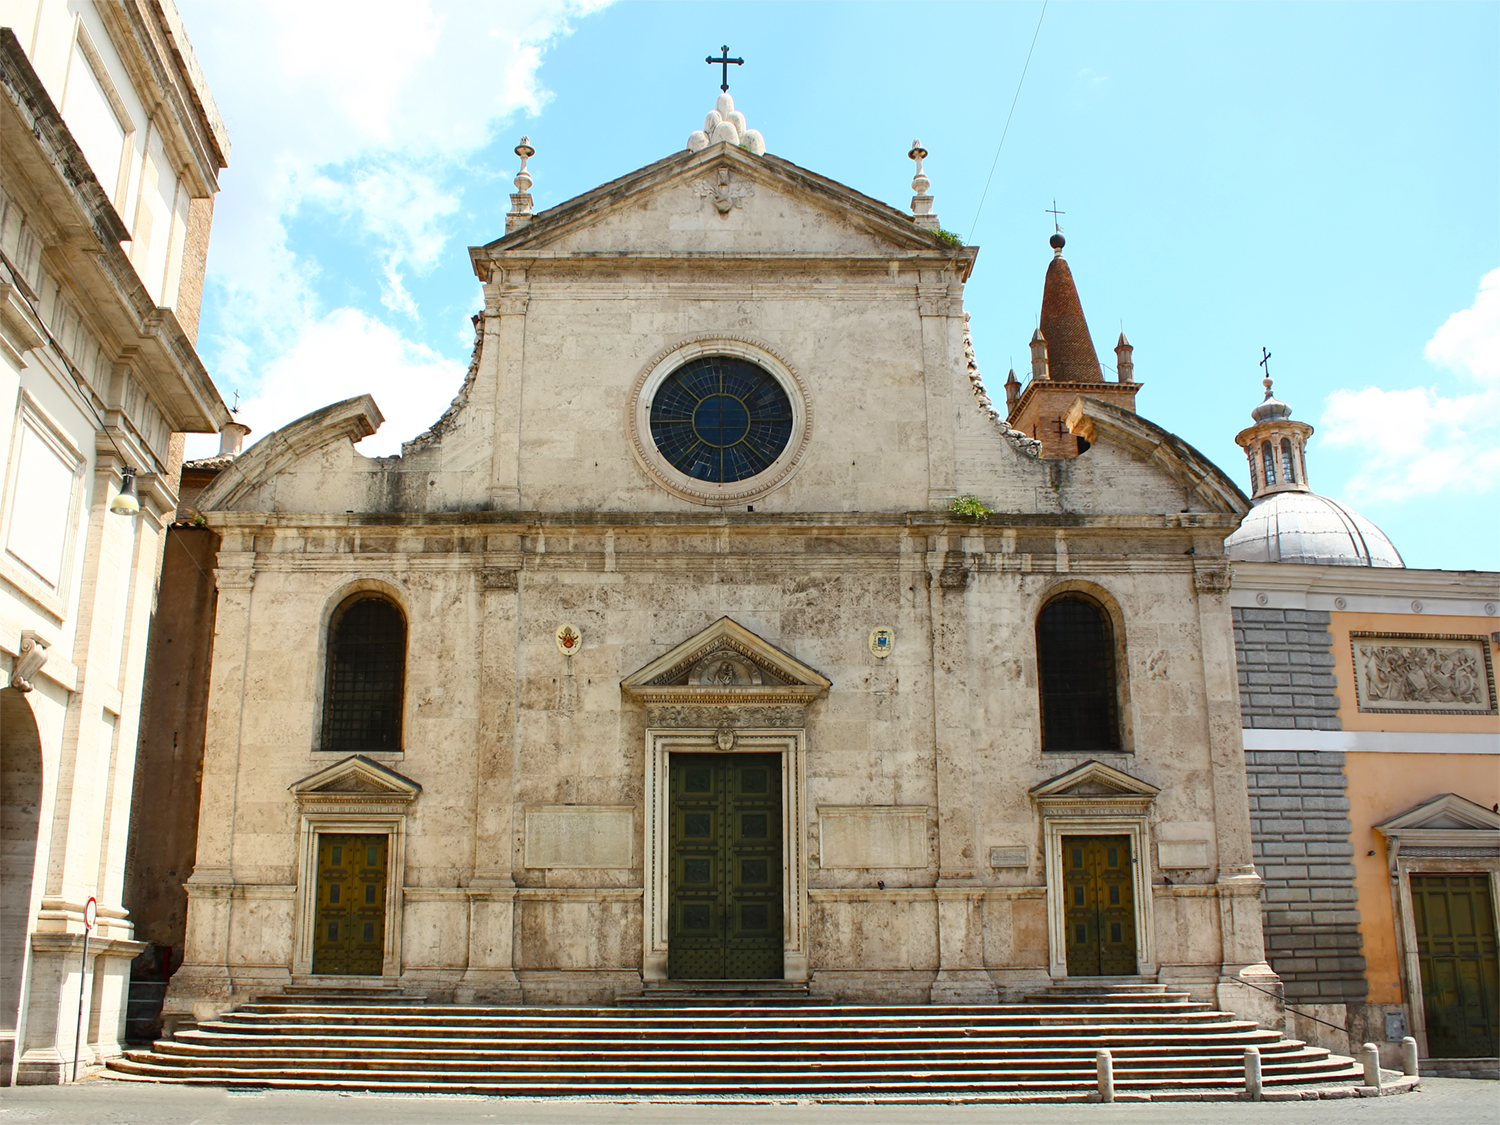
x=726 y=663
x=1094 y=779
x=721 y=201
x=1447 y=812
x=359 y=778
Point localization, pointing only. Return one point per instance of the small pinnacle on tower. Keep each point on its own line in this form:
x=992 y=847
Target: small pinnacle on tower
x=520 y=200
x=921 y=202
x=1125 y=360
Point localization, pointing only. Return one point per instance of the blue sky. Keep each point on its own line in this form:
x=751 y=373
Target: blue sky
x=1318 y=179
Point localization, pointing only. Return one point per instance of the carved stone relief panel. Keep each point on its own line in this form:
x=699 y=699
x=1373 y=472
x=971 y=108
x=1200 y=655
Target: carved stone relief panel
x=1415 y=674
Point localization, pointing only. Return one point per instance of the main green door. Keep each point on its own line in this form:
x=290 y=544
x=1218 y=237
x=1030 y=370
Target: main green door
x=725 y=881
x=1100 y=906
x=1455 y=924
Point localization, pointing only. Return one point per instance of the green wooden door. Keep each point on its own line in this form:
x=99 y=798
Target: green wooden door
x=349 y=932
x=725 y=881
x=1455 y=924
x=1099 y=885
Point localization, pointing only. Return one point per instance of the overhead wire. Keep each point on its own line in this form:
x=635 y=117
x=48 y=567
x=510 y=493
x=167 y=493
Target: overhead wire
x=1008 y=116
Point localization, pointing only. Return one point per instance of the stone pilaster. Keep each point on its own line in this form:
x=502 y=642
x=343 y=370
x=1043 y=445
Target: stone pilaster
x=490 y=975
x=506 y=298
x=961 y=978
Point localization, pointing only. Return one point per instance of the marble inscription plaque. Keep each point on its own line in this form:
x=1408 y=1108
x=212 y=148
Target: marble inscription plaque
x=580 y=836
x=873 y=836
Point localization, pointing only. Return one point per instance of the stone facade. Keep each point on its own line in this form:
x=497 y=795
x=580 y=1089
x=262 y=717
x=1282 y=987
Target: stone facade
x=578 y=613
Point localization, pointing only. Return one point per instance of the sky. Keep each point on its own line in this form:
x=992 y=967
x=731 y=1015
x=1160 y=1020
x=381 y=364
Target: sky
x=1315 y=179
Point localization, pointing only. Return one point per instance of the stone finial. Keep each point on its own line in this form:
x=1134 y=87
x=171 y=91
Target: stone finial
x=520 y=200
x=1039 y=355
x=1124 y=363
x=725 y=124
x=1012 y=391
x=921 y=202
x=232 y=438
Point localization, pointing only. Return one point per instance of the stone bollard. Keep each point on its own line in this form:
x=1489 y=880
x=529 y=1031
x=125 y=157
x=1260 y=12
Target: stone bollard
x=1409 y=1057
x=1106 y=1065
x=1370 y=1055
x=1252 y=1073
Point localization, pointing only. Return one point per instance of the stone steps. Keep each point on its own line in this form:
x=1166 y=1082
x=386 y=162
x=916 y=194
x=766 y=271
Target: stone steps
x=717 y=1046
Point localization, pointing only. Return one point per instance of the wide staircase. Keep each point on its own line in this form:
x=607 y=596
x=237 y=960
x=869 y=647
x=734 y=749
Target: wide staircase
x=746 y=1042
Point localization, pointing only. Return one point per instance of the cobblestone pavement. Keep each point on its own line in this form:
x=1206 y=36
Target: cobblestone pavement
x=1439 y=1101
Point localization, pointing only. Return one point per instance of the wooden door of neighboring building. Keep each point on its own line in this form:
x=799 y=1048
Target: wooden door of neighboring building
x=1099 y=883
x=1454 y=918
x=725 y=886
x=349 y=935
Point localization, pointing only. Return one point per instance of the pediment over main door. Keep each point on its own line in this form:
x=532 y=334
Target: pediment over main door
x=355 y=782
x=726 y=665
x=1097 y=786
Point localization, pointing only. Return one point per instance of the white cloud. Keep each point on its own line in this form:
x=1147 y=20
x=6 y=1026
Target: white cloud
x=344 y=354
x=367 y=108
x=1420 y=441
x=1469 y=340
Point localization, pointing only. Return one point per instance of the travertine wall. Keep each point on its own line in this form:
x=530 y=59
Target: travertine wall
x=527 y=508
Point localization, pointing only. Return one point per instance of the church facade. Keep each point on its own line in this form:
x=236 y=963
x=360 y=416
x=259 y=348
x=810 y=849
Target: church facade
x=682 y=648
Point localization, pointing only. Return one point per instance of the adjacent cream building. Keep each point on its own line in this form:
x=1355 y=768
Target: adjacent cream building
x=1372 y=741
x=663 y=655
x=110 y=149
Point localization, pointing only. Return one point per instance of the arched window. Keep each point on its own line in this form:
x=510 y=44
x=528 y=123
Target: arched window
x=1075 y=652
x=1286 y=462
x=1269 y=458
x=366 y=679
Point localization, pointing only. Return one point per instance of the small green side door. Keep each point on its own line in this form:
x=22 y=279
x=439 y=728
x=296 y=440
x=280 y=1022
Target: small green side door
x=725 y=878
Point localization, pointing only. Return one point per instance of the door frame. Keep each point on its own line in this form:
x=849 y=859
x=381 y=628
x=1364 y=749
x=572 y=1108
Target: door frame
x=314 y=825
x=791 y=744
x=1105 y=824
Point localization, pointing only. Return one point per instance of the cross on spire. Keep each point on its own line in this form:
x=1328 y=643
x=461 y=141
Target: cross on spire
x=1054 y=212
x=1265 y=361
x=725 y=63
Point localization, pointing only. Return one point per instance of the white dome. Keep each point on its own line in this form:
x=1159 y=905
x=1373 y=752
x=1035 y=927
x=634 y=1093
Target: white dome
x=1300 y=527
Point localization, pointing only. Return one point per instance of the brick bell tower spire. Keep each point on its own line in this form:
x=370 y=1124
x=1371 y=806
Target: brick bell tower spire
x=1064 y=365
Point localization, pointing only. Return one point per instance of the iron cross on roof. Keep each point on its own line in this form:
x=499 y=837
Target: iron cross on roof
x=1056 y=214
x=1265 y=361
x=724 y=62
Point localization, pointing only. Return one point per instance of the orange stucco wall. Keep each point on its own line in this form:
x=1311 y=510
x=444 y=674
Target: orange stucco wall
x=1380 y=786
x=1349 y=713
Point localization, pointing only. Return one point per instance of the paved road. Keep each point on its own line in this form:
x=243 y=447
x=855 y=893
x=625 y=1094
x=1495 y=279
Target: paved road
x=1439 y=1101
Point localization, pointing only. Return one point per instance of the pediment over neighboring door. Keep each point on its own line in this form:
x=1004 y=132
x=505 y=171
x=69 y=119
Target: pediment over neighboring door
x=355 y=782
x=1096 y=785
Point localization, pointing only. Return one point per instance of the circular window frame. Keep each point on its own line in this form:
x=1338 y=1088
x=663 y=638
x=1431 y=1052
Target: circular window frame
x=678 y=483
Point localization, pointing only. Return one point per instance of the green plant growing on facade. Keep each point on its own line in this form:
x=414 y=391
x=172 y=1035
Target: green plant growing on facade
x=949 y=237
x=971 y=506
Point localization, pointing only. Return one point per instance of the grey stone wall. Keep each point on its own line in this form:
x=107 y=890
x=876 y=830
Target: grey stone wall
x=1299 y=820
x=1286 y=669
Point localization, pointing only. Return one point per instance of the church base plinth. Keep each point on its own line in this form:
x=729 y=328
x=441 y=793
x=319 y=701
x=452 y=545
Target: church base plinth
x=488 y=986
x=964 y=986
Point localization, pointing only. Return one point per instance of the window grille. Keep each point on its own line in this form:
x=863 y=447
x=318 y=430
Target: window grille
x=1076 y=667
x=362 y=697
x=1286 y=462
x=1270 y=459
